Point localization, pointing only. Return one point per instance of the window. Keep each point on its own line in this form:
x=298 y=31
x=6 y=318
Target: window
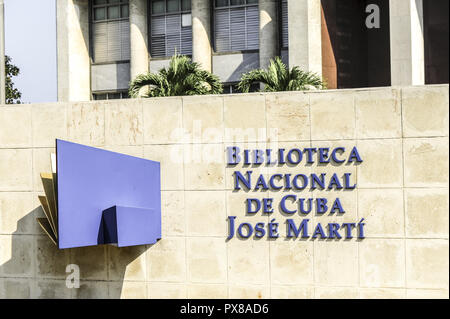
x=110 y=95
x=171 y=28
x=284 y=24
x=110 y=31
x=236 y=25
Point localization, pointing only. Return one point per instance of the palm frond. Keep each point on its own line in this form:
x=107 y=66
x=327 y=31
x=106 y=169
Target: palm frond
x=249 y=78
x=143 y=80
x=278 y=77
x=180 y=77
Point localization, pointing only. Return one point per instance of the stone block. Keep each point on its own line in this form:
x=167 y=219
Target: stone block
x=203 y=119
x=50 y=261
x=383 y=213
x=425 y=111
x=426 y=212
x=207 y=216
x=49 y=123
x=288 y=116
x=207 y=262
x=382 y=164
x=16 y=213
x=86 y=123
x=378 y=113
x=245 y=118
x=291 y=262
x=382 y=263
x=127 y=263
x=173 y=213
x=426 y=162
x=248 y=261
x=204 y=167
x=15 y=288
x=171 y=158
x=16 y=170
x=163 y=120
x=124 y=123
x=166 y=260
x=332 y=115
x=336 y=263
x=92 y=262
x=16 y=256
x=427 y=263
x=41 y=164
x=10 y=118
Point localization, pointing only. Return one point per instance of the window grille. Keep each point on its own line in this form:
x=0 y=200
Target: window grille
x=171 y=28
x=236 y=25
x=110 y=31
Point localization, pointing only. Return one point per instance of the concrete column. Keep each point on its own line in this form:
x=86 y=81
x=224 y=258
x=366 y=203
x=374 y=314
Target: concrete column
x=268 y=31
x=139 y=61
x=305 y=45
x=73 y=50
x=407 y=44
x=201 y=33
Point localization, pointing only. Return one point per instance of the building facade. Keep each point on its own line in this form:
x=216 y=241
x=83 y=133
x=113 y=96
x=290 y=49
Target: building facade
x=401 y=134
x=103 y=44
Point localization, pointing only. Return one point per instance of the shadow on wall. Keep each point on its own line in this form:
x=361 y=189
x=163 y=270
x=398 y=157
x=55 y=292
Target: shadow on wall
x=35 y=268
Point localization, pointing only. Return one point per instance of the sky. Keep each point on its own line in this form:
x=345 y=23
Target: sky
x=30 y=40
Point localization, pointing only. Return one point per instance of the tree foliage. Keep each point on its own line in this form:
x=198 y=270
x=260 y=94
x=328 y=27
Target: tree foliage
x=13 y=95
x=277 y=77
x=181 y=77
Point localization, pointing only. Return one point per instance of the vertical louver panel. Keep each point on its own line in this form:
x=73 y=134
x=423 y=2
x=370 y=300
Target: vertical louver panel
x=222 y=30
x=114 y=48
x=111 y=41
x=186 y=40
x=173 y=34
x=125 y=40
x=236 y=29
x=284 y=24
x=237 y=22
x=100 y=42
x=158 y=45
x=252 y=27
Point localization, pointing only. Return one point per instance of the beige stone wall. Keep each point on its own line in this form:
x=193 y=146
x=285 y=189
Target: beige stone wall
x=401 y=134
